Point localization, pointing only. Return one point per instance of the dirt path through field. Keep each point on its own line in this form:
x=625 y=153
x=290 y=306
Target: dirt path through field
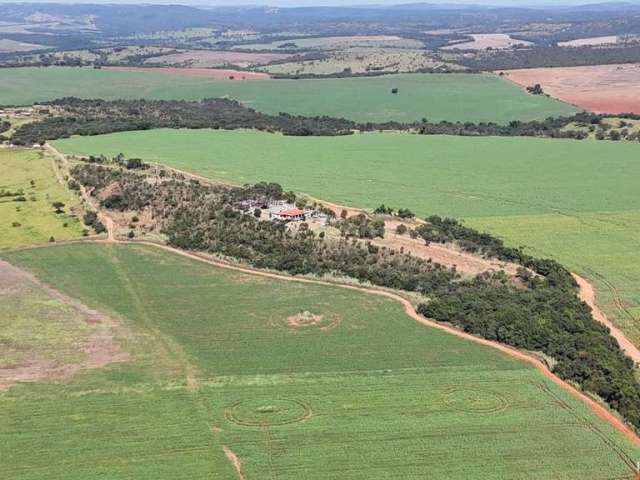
x=588 y=295
x=235 y=461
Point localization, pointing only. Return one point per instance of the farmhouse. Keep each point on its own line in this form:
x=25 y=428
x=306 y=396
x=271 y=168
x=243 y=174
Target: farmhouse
x=289 y=215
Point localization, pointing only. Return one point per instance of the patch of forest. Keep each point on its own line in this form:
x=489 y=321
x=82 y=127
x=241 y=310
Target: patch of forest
x=73 y=116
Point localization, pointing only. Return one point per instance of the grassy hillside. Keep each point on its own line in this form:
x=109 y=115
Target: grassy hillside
x=574 y=201
x=33 y=220
x=218 y=361
x=437 y=97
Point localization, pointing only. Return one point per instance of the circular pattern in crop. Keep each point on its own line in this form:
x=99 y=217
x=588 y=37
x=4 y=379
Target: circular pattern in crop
x=473 y=400
x=267 y=412
x=306 y=321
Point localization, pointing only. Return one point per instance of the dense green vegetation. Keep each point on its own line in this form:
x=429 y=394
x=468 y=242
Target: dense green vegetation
x=573 y=201
x=546 y=315
x=28 y=190
x=476 y=98
x=217 y=350
x=94 y=117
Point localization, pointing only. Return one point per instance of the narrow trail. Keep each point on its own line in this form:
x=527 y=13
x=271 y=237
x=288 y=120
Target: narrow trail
x=588 y=296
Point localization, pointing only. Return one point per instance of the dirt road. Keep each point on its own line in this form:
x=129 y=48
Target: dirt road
x=601 y=411
x=588 y=296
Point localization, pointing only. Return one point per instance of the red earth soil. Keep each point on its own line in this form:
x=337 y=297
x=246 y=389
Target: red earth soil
x=218 y=73
x=599 y=89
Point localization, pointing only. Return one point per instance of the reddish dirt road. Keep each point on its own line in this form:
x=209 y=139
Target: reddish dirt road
x=588 y=296
x=599 y=89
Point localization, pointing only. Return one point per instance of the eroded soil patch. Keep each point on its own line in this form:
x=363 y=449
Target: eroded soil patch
x=49 y=335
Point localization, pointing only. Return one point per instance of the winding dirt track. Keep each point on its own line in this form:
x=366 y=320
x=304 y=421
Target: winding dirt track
x=601 y=411
x=587 y=294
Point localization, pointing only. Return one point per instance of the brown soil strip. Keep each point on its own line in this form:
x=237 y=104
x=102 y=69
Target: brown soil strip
x=216 y=73
x=235 y=461
x=599 y=89
x=99 y=348
x=588 y=296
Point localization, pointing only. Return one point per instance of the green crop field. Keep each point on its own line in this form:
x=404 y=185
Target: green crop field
x=461 y=97
x=217 y=361
x=575 y=201
x=27 y=216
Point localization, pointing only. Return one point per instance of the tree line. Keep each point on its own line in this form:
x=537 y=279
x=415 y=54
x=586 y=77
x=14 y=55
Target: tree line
x=95 y=117
x=540 y=312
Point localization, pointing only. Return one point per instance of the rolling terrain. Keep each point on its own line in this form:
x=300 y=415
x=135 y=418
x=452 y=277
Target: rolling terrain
x=555 y=197
x=453 y=97
x=236 y=375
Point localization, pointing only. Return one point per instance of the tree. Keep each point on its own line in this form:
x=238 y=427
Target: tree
x=257 y=213
x=406 y=213
x=536 y=89
x=401 y=229
x=59 y=207
x=343 y=214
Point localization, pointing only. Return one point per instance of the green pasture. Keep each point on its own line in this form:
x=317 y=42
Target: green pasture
x=575 y=201
x=216 y=363
x=451 y=97
x=33 y=220
x=339 y=43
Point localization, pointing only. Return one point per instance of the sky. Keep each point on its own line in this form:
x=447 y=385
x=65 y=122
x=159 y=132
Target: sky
x=306 y=3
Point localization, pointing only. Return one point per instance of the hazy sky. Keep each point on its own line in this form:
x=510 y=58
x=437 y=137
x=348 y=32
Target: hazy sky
x=295 y=3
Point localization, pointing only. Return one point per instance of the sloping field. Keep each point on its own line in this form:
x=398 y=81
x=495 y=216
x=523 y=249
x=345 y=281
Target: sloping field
x=436 y=97
x=28 y=187
x=225 y=381
x=599 y=88
x=574 y=201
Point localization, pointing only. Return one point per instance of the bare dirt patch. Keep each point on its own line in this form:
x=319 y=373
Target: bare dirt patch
x=586 y=42
x=41 y=359
x=482 y=41
x=447 y=255
x=306 y=320
x=600 y=89
x=217 y=73
x=210 y=58
x=235 y=461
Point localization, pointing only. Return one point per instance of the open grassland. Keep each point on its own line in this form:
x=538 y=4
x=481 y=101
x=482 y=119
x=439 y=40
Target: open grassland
x=221 y=365
x=574 y=201
x=461 y=97
x=27 y=216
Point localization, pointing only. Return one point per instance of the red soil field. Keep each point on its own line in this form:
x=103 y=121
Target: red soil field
x=243 y=59
x=198 y=72
x=599 y=89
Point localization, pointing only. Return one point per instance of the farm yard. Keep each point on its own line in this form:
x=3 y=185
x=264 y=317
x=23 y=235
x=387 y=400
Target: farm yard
x=28 y=189
x=569 y=207
x=236 y=375
x=600 y=88
x=463 y=97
